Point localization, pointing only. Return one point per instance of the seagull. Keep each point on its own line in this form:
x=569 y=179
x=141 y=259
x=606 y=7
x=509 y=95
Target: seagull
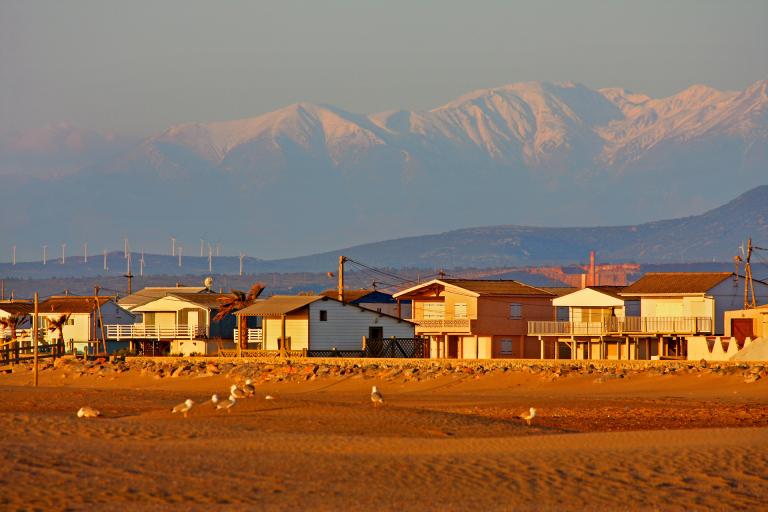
x=237 y=393
x=184 y=407
x=528 y=416
x=269 y=397
x=226 y=404
x=88 y=412
x=215 y=399
x=248 y=388
x=376 y=397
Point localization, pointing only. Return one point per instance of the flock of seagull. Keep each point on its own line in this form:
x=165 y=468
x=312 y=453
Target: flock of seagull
x=248 y=390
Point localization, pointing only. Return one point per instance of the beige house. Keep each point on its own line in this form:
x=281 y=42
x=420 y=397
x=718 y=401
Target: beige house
x=480 y=319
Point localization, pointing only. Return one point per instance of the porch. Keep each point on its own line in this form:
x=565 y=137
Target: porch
x=618 y=326
x=155 y=332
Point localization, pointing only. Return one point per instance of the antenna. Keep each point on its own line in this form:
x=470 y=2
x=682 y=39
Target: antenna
x=45 y=255
x=85 y=252
x=63 y=253
x=173 y=246
x=14 y=254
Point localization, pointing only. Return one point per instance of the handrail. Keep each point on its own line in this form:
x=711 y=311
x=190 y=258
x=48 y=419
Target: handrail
x=154 y=332
x=624 y=325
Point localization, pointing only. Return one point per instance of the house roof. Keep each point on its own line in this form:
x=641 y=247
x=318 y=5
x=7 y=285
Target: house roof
x=559 y=291
x=146 y=295
x=279 y=305
x=483 y=287
x=591 y=296
x=205 y=300
x=677 y=283
x=17 y=308
x=353 y=296
x=71 y=304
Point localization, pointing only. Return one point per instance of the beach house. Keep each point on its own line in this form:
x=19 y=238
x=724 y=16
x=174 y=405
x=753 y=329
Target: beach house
x=318 y=322
x=480 y=319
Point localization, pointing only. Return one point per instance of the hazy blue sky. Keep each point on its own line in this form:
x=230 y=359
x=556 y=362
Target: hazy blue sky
x=139 y=66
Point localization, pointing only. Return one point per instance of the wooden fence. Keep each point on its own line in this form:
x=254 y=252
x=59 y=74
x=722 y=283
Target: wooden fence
x=12 y=352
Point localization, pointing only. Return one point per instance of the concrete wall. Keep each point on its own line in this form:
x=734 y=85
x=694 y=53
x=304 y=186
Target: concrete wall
x=759 y=318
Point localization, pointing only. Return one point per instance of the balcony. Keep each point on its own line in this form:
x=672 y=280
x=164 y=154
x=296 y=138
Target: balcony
x=154 y=332
x=442 y=324
x=634 y=325
x=255 y=337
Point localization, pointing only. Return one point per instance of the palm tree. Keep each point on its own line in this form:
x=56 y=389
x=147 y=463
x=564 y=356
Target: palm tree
x=12 y=322
x=58 y=325
x=236 y=302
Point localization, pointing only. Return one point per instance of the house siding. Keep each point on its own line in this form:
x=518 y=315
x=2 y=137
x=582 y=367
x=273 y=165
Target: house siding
x=347 y=324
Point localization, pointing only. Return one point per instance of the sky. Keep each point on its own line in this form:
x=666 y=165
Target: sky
x=138 y=67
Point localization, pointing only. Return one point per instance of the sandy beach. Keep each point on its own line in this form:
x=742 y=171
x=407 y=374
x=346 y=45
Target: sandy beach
x=646 y=442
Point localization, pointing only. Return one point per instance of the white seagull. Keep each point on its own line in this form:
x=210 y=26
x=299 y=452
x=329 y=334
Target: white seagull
x=269 y=397
x=528 y=416
x=249 y=388
x=183 y=407
x=88 y=412
x=214 y=399
x=226 y=404
x=376 y=396
x=235 y=392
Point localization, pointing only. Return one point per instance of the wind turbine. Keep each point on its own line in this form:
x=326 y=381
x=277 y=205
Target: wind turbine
x=45 y=255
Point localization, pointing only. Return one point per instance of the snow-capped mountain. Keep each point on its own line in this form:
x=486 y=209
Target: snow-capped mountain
x=310 y=177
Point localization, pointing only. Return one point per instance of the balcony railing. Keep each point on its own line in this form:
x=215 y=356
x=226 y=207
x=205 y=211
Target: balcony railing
x=624 y=325
x=442 y=324
x=255 y=336
x=154 y=332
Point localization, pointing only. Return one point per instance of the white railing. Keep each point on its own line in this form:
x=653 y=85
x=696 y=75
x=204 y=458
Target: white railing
x=456 y=324
x=254 y=336
x=621 y=325
x=154 y=332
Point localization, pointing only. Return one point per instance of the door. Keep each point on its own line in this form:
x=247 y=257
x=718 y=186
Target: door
x=453 y=347
x=742 y=328
x=193 y=316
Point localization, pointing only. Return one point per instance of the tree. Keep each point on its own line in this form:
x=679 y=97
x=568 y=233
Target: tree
x=58 y=324
x=236 y=302
x=12 y=322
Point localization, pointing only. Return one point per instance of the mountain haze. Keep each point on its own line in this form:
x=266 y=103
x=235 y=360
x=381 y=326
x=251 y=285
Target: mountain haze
x=313 y=177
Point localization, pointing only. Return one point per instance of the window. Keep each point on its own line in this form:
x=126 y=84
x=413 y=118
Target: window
x=434 y=310
x=459 y=310
x=505 y=347
x=516 y=311
x=323 y=315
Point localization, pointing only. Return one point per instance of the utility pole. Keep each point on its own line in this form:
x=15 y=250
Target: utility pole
x=45 y=254
x=85 y=252
x=34 y=336
x=63 y=253
x=342 y=259
x=129 y=276
x=748 y=284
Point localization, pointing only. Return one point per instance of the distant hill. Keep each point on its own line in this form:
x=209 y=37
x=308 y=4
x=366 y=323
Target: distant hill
x=712 y=236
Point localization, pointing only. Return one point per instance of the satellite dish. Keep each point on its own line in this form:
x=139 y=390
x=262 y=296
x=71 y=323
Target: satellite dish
x=208 y=282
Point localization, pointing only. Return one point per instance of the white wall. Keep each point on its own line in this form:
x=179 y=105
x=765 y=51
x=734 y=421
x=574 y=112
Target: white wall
x=347 y=324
